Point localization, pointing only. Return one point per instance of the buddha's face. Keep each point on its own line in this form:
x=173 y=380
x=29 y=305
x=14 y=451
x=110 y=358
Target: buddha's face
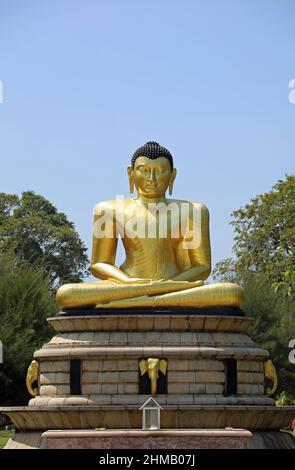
x=152 y=177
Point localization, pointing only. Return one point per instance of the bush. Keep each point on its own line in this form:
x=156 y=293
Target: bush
x=273 y=325
x=26 y=300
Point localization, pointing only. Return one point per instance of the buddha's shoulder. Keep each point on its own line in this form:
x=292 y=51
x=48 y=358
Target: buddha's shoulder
x=112 y=205
x=119 y=204
x=193 y=205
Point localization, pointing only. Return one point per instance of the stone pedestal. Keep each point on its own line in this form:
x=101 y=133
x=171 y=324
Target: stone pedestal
x=89 y=373
x=138 y=439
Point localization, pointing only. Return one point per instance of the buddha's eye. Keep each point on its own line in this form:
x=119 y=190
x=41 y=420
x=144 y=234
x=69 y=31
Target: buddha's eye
x=143 y=169
x=161 y=171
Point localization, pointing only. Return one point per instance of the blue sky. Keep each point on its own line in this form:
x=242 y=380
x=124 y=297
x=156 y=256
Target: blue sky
x=87 y=82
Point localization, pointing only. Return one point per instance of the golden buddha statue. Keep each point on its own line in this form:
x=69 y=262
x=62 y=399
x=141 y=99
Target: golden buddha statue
x=166 y=241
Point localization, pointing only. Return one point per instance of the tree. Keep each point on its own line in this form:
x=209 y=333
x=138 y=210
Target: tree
x=26 y=300
x=33 y=230
x=265 y=233
x=287 y=285
x=264 y=266
x=272 y=326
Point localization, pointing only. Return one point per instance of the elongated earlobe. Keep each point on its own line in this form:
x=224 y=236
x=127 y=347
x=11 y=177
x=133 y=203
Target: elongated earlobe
x=171 y=187
x=131 y=185
x=171 y=182
x=131 y=180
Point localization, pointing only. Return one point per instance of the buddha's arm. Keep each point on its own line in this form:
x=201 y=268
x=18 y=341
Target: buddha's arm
x=104 y=244
x=103 y=257
x=195 y=273
x=199 y=256
x=107 y=271
x=104 y=248
x=102 y=262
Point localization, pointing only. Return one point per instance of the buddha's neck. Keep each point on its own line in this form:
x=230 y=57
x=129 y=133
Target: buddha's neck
x=148 y=200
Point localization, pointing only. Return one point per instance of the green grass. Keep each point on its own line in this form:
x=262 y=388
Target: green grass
x=4 y=436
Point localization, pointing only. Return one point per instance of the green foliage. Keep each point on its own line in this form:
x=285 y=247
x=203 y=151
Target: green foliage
x=287 y=285
x=33 y=230
x=264 y=266
x=226 y=271
x=26 y=301
x=285 y=399
x=272 y=326
x=265 y=232
x=4 y=436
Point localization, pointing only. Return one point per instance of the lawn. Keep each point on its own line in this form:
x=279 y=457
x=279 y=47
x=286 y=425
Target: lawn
x=5 y=434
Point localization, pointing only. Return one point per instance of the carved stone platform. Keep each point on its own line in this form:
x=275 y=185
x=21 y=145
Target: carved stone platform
x=111 y=346
x=139 y=439
x=164 y=439
x=129 y=417
x=89 y=373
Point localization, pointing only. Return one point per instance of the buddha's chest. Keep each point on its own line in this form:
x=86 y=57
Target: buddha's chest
x=161 y=225
x=151 y=257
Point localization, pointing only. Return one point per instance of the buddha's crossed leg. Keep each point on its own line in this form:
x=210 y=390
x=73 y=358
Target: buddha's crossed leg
x=103 y=293
x=211 y=295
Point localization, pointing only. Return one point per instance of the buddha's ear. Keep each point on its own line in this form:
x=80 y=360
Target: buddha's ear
x=171 y=182
x=131 y=179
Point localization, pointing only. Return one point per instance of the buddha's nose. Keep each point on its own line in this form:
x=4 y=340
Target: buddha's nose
x=152 y=176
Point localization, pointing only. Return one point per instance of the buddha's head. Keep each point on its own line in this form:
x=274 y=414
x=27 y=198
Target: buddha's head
x=151 y=171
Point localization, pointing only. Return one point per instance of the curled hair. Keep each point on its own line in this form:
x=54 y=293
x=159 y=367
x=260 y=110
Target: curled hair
x=152 y=150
